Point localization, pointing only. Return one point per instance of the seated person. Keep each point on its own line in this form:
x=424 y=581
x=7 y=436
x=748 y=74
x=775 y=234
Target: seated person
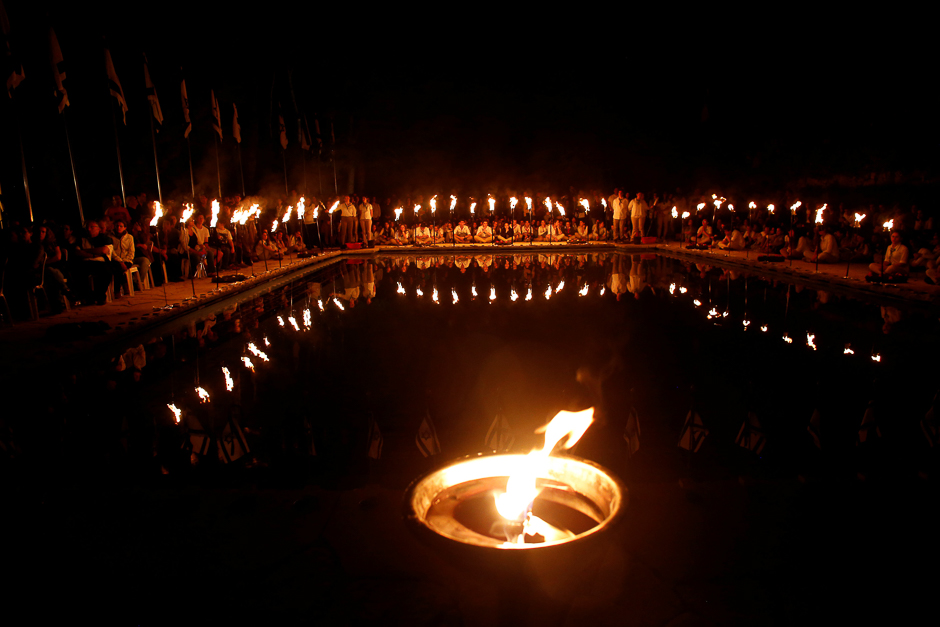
x=94 y=261
x=828 y=248
x=896 y=259
x=422 y=235
x=462 y=233
x=777 y=239
x=544 y=233
x=403 y=235
x=504 y=234
x=484 y=234
x=124 y=253
x=580 y=234
x=733 y=240
x=794 y=247
x=704 y=235
x=441 y=233
x=558 y=235
x=265 y=248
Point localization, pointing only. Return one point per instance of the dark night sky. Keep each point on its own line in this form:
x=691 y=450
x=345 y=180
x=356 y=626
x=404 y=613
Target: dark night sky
x=423 y=103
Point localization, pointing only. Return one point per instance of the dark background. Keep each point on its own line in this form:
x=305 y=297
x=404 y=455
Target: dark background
x=476 y=102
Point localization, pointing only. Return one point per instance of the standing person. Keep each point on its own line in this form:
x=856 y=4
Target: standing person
x=638 y=209
x=365 y=220
x=347 y=225
x=618 y=204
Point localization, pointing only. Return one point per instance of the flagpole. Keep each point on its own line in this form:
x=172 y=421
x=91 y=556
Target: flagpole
x=241 y=170
x=156 y=162
x=284 y=160
x=29 y=202
x=333 y=158
x=78 y=196
x=218 y=168
x=192 y=180
x=117 y=147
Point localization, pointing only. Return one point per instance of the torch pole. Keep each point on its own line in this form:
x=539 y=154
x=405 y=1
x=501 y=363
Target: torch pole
x=117 y=147
x=218 y=167
x=241 y=170
x=156 y=161
x=68 y=142
x=192 y=180
x=284 y=160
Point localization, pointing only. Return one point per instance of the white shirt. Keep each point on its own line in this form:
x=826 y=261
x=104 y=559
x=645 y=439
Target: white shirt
x=484 y=231
x=896 y=254
x=638 y=208
x=365 y=211
x=617 y=205
x=347 y=210
x=462 y=229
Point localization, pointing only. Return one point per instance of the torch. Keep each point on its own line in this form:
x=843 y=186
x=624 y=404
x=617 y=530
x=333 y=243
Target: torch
x=453 y=234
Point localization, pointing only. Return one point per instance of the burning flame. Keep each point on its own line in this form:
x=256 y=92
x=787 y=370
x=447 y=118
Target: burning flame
x=335 y=205
x=752 y=205
x=338 y=304
x=548 y=292
x=248 y=364
x=433 y=203
x=683 y=290
x=764 y=329
x=561 y=210
x=712 y=312
x=819 y=214
x=888 y=225
x=512 y=295
x=274 y=225
x=419 y=292
x=583 y=291
x=584 y=203
x=604 y=202
x=280 y=321
x=307 y=320
x=770 y=208
x=528 y=295
x=787 y=339
x=215 y=214
x=717 y=204
x=548 y=203
x=672 y=288
x=257 y=353
x=700 y=206
x=492 y=203
x=675 y=213
x=473 y=207
x=746 y=324
x=528 y=203
x=398 y=213
x=730 y=206
x=795 y=206
x=453 y=202
x=697 y=302
x=453 y=293
x=848 y=350
x=561 y=285
x=229 y=384
x=492 y=293
x=417 y=209
x=293 y=322
x=203 y=395
x=603 y=289
x=266 y=342
x=564 y=430
x=158 y=212
x=809 y=340
x=290 y=209
x=876 y=357
x=685 y=214
x=473 y=290
x=177 y=412
x=858 y=218
x=187 y=212
x=301 y=207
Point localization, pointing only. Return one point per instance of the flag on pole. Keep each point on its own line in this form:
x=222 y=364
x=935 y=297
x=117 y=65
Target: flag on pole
x=114 y=84
x=929 y=424
x=216 y=116
x=813 y=428
x=751 y=436
x=12 y=64
x=375 y=440
x=869 y=428
x=693 y=432
x=236 y=127
x=152 y=94
x=185 y=98
x=58 y=71
x=631 y=432
x=426 y=437
x=316 y=124
x=232 y=444
x=305 y=135
x=282 y=128
x=499 y=438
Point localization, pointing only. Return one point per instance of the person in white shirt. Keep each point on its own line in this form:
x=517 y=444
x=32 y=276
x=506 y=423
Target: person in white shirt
x=544 y=232
x=403 y=235
x=638 y=209
x=704 y=236
x=557 y=233
x=365 y=219
x=347 y=224
x=599 y=231
x=462 y=233
x=733 y=240
x=619 y=205
x=484 y=234
x=896 y=259
x=828 y=248
x=422 y=235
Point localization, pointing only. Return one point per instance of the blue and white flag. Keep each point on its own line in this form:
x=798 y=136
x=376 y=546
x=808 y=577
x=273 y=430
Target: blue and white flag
x=426 y=438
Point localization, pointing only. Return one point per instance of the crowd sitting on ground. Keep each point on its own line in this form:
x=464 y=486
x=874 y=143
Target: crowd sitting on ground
x=89 y=264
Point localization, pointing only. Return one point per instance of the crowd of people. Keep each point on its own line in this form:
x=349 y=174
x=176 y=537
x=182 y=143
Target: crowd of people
x=174 y=241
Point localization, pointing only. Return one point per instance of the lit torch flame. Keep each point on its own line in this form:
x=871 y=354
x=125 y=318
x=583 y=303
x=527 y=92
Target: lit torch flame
x=157 y=212
x=301 y=208
x=338 y=304
x=419 y=292
x=697 y=302
x=248 y=364
x=848 y=350
x=515 y=504
x=453 y=202
x=528 y=204
x=685 y=214
x=770 y=209
x=795 y=206
x=203 y=395
x=819 y=214
x=764 y=329
x=675 y=212
x=561 y=210
x=257 y=353
x=290 y=209
x=280 y=321
x=584 y=203
x=473 y=290
x=548 y=292
x=528 y=295
x=548 y=203
x=274 y=225
x=229 y=384
x=492 y=202
x=473 y=207
x=809 y=340
x=492 y=294
x=858 y=218
x=752 y=205
x=266 y=342
x=307 y=321
x=561 y=285
x=320 y=305
x=335 y=205
x=787 y=339
x=746 y=324
x=215 y=214
x=672 y=288
x=187 y=212
x=434 y=296
x=177 y=412
x=888 y=225
x=683 y=290
x=876 y=357
x=398 y=213
x=513 y=201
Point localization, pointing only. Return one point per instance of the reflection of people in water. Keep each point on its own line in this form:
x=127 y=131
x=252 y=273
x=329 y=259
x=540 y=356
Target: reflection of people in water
x=891 y=316
x=618 y=283
x=637 y=276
